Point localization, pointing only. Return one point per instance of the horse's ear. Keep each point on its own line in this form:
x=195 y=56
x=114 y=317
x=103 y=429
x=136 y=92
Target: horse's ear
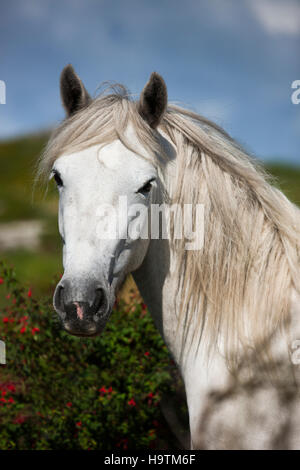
x=73 y=94
x=153 y=100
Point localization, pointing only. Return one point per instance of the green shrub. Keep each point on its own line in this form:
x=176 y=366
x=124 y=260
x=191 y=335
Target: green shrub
x=63 y=392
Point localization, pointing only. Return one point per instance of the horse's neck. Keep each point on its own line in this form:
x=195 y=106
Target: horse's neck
x=151 y=279
x=158 y=284
x=159 y=287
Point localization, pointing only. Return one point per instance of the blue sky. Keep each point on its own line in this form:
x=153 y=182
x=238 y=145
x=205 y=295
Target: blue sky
x=231 y=60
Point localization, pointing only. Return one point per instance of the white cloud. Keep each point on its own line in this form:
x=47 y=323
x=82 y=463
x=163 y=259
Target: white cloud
x=215 y=110
x=33 y=10
x=277 y=16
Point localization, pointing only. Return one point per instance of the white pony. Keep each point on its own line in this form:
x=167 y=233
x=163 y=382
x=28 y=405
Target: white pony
x=228 y=312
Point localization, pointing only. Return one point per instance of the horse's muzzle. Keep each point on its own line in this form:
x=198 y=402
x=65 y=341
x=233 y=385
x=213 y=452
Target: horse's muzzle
x=84 y=317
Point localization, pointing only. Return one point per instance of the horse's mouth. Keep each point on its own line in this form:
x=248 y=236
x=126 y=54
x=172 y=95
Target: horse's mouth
x=89 y=332
x=83 y=335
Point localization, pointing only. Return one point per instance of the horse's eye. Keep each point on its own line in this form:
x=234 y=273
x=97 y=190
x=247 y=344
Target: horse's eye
x=146 y=188
x=58 y=179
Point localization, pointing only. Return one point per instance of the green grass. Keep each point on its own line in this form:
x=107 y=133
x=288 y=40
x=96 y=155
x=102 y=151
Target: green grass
x=18 y=160
x=36 y=269
x=288 y=180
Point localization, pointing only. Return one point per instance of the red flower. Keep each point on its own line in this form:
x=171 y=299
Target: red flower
x=5 y=320
x=20 y=419
x=11 y=387
x=29 y=293
x=23 y=329
x=150 y=395
x=3 y=393
x=79 y=424
x=144 y=306
x=1 y=280
x=132 y=402
x=11 y=400
x=123 y=441
x=109 y=390
x=35 y=330
x=2 y=400
x=102 y=390
x=147 y=353
x=69 y=404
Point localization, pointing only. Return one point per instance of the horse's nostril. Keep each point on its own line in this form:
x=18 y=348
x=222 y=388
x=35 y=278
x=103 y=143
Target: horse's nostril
x=99 y=300
x=58 y=299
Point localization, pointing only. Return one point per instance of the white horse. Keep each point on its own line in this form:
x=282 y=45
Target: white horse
x=228 y=312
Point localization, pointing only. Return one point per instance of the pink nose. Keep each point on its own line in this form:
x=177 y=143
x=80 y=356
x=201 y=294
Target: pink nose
x=79 y=310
